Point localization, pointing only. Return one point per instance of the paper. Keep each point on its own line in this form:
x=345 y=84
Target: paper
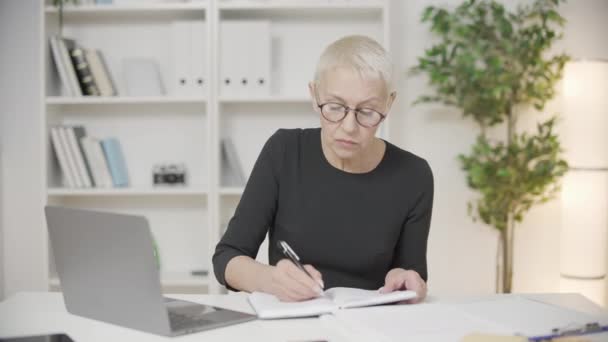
x=539 y=318
x=417 y=322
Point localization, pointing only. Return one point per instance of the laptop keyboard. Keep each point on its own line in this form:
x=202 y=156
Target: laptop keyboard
x=181 y=321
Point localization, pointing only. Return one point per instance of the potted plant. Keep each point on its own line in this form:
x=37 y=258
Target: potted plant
x=492 y=64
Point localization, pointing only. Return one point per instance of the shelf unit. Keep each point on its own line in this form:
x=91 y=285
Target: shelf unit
x=187 y=222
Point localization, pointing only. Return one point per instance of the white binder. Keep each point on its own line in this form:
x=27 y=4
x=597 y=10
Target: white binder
x=259 y=58
x=180 y=84
x=198 y=59
x=245 y=58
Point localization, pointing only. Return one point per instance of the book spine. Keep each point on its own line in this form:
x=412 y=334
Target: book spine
x=60 y=66
x=85 y=77
x=99 y=155
x=60 y=153
x=116 y=162
x=67 y=61
x=87 y=148
x=78 y=158
x=80 y=132
x=71 y=158
x=100 y=72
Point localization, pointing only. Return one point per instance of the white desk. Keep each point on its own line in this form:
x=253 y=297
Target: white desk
x=43 y=312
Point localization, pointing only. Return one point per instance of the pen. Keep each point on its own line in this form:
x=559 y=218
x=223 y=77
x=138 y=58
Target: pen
x=291 y=254
x=589 y=328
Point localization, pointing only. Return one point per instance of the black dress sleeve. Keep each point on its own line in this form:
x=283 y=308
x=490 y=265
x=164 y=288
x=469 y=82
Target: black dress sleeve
x=412 y=245
x=256 y=210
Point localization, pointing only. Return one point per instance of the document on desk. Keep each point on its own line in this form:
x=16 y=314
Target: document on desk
x=528 y=317
x=419 y=322
x=270 y=307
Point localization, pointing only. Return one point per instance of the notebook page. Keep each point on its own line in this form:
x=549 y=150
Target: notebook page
x=268 y=306
x=346 y=297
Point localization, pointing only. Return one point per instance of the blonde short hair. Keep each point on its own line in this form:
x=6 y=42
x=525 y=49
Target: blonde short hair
x=363 y=54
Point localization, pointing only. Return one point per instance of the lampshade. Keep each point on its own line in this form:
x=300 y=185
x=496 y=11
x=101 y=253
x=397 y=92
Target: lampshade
x=585 y=117
x=585 y=227
x=584 y=198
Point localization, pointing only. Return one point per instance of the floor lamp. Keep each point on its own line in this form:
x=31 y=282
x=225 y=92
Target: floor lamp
x=584 y=199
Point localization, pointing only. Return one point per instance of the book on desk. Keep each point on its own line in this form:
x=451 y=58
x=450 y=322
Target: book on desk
x=270 y=307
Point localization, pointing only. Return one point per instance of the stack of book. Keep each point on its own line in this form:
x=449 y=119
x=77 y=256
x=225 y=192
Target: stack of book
x=82 y=71
x=87 y=162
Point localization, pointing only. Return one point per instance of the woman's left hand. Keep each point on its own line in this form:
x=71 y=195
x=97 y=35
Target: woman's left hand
x=400 y=279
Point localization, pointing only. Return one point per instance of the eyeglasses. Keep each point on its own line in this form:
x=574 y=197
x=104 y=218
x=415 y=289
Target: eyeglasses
x=336 y=112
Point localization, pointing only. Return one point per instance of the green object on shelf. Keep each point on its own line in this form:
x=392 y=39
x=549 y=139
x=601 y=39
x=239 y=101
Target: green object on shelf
x=156 y=253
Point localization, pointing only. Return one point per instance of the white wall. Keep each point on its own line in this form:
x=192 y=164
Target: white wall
x=462 y=253
x=1 y=198
x=20 y=25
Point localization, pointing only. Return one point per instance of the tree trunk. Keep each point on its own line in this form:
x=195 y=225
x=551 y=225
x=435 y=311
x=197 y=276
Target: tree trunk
x=504 y=262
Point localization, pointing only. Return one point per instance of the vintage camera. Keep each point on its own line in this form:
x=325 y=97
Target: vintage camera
x=169 y=174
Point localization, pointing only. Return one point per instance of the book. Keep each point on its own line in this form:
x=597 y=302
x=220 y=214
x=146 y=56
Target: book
x=85 y=76
x=60 y=66
x=65 y=46
x=101 y=162
x=101 y=72
x=116 y=162
x=71 y=158
x=268 y=306
x=61 y=154
x=96 y=161
x=74 y=133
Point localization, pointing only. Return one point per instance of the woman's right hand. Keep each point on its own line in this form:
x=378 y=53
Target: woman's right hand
x=290 y=284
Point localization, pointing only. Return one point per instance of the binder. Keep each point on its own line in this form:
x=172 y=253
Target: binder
x=245 y=63
x=259 y=57
x=231 y=55
x=181 y=46
x=198 y=59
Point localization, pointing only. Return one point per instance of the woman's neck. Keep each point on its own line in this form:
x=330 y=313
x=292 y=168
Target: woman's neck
x=365 y=161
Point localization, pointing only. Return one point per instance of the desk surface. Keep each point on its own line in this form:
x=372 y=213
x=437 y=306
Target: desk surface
x=44 y=312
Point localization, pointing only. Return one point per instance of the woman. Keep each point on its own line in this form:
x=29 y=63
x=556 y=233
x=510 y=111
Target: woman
x=354 y=207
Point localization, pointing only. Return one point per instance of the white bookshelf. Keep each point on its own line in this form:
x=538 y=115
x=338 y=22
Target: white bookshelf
x=187 y=222
x=113 y=9
x=89 y=100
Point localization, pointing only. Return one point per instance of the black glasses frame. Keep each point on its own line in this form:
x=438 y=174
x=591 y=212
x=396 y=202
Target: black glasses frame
x=347 y=110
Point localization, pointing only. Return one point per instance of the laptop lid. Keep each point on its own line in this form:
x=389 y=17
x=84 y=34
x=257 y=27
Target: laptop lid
x=107 y=267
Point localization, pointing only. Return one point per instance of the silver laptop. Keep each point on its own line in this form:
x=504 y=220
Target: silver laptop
x=108 y=272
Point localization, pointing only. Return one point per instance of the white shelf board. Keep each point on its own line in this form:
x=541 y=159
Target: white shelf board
x=99 y=100
x=167 y=279
x=301 y=4
x=264 y=99
x=136 y=191
x=231 y=191
x=177 y=7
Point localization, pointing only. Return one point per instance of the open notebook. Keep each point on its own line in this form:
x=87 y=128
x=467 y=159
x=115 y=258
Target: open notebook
x=268 y=306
